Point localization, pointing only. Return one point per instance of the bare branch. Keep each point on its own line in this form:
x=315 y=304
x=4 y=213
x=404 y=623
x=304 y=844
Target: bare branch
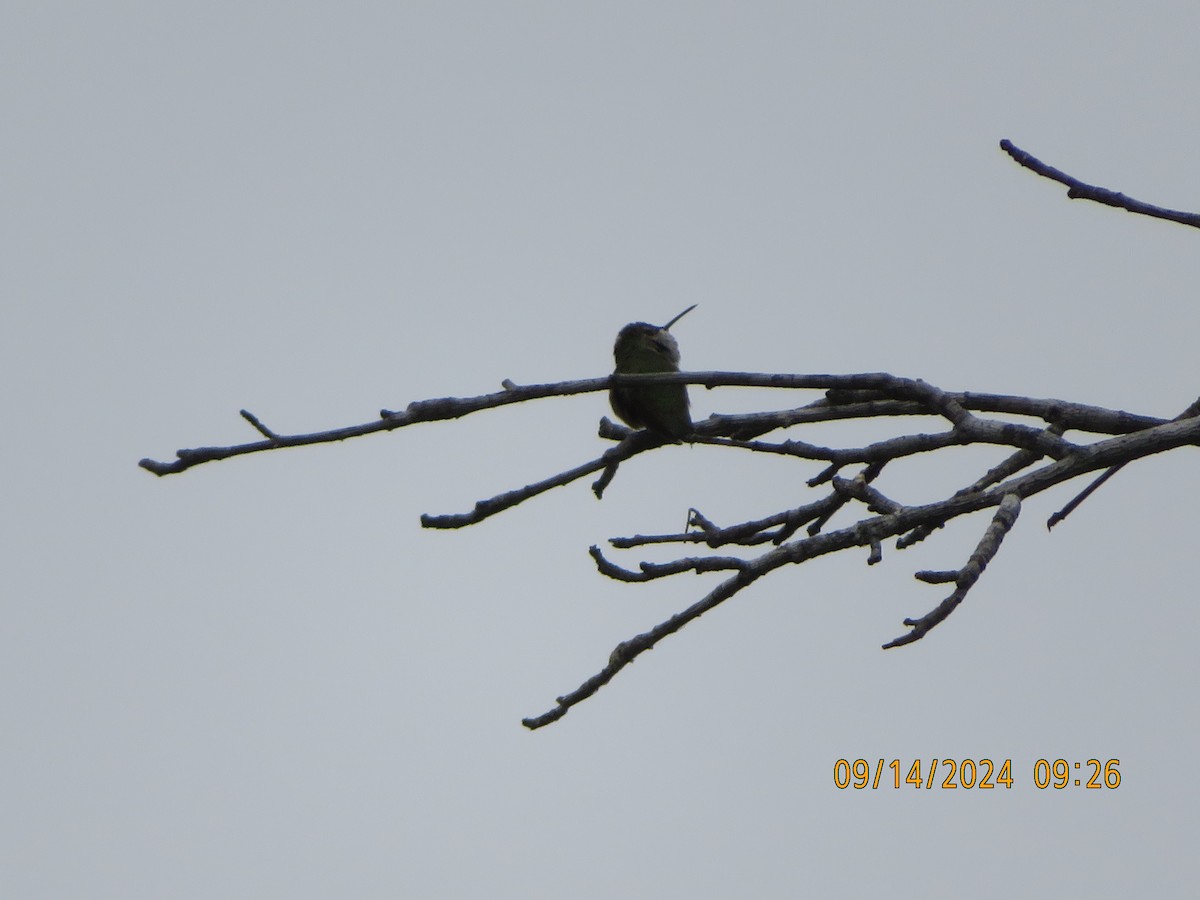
x=608 y=461
x=1022 y=459
x=650 y=571
x=1136 y=436
x=1079 y=190
x=862 y=533
x=964 y=578
x=418 y=411
x=775 y=528
x=1070 y=415
x=860 y=490
x=869 y=532
x=1083 y=495
x=918 y=534
x=1192 y=410
x=1039 y=458
x=261 y=428
x=627 y=651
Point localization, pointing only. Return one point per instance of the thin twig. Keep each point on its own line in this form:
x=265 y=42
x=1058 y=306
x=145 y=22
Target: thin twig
x=1192 y=410
x=1080 y=190
x=964 y=578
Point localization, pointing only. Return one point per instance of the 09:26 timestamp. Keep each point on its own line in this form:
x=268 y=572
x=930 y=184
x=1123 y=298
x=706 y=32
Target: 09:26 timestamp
x=981 y=774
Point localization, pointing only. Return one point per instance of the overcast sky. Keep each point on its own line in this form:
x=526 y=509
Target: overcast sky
x=262 y=678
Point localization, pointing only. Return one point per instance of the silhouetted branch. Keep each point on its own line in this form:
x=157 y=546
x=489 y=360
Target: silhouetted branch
x=1070 y=415
x=897 y=522
x=964 y=578
x=1079 y=190
x=1192 y=410
x=878 y=396
x=1039 y=458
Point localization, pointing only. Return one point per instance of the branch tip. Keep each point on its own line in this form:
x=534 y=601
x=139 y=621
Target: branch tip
x=1080 y=190
x=259 y=426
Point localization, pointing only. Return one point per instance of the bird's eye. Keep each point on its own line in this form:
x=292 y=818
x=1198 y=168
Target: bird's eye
x=662 y=346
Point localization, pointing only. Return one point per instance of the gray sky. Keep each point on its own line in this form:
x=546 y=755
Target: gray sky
x=264 y=679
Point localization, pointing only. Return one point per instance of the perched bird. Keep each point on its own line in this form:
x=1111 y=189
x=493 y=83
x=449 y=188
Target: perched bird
x=663 y=408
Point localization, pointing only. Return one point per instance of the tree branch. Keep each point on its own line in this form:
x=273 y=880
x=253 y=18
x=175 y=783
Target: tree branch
x=1070 y=415
x=1039 y=459
x=871 y=395
x=1079 y=190
x=1192 y=410
x=964 y=578
x=870 y=532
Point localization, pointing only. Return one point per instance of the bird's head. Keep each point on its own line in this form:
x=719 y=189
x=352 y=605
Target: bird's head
x=641 y=341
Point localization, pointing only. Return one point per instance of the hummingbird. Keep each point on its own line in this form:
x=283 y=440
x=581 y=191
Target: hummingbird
x=641 y=349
